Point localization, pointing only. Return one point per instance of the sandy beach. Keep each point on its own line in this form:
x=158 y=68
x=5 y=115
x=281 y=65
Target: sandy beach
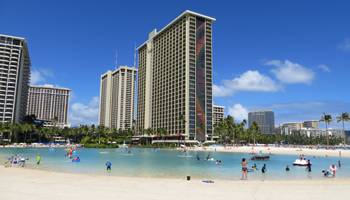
x=277 y=150
x=21 y=183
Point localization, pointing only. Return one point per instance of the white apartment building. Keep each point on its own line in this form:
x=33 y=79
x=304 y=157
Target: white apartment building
x=14 y=78
x=117 y=95
x=175 y=78
x=49 y=104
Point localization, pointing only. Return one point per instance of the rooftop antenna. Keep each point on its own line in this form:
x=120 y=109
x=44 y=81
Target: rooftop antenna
x=135 y=55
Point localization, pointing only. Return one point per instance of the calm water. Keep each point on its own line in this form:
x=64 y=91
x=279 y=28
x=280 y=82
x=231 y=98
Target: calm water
x=169 y=163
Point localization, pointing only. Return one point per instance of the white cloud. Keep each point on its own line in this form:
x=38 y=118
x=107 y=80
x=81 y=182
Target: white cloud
x=324 y=68
x=84 y=113
x=251 y=80
x=39 y=76
x=36 y=77
x=238 y=112
x=345 y=45
x=291 y=73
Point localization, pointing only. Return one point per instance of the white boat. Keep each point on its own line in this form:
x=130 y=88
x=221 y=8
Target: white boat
x=300 y=162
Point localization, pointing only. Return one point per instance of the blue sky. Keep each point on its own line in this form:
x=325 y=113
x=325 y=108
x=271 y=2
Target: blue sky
x=289 y=56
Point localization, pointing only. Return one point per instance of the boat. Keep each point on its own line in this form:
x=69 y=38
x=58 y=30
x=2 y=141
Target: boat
x=260 y=157
x=300 y=162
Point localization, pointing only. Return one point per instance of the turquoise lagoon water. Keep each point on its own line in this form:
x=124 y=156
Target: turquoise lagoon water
x=170 y=163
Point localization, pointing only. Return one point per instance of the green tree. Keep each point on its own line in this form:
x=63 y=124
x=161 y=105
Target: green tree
x=254 y=130
x=327 y=119
x=343 y=117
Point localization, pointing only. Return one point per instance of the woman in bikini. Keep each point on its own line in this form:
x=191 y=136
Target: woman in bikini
x=244 y=165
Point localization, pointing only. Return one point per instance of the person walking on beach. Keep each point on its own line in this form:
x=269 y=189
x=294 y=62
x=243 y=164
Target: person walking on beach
x=38 y=159
x=308 y=166
x=108 y=166
x=244 y=165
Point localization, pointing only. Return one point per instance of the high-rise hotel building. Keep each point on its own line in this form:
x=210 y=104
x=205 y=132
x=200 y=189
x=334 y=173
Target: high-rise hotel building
x=264 y=119
x=14 y=78
x=117 y=95
x=218 y=114
x=50 y=104
x=175 y=78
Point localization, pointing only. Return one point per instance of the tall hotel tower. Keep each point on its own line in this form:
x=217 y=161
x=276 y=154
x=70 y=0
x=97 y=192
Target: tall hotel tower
x=117 y=95
x=50 y=104
x=14 y=78
x=175 y=78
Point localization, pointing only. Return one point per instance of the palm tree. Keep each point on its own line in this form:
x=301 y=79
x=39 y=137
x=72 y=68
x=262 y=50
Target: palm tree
x=230 y=126
x=327 y=119
x=254 y=130
x=344 y=117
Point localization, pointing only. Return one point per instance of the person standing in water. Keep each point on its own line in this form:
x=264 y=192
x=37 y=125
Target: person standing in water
x=308 y=166
x=244 y=165
x=333 y=170
x=263 y=169
x=108 y=166
x=38 y=159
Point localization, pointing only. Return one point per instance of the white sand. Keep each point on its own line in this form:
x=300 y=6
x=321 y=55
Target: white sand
x=20 y=183
x=278 y=150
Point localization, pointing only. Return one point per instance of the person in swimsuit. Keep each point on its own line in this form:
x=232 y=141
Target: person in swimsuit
x=108 y=166
x=333 y=170
x=244 y=165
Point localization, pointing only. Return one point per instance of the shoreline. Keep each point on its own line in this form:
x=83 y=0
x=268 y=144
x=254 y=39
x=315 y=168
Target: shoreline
x=37 y=184
x=276 y=150
x=281 y=150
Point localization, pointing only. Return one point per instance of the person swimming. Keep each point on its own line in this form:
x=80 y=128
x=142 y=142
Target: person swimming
x=287 y=168
x=197 y=157
x=76 y=159
x=254 y=167
x=218 y=162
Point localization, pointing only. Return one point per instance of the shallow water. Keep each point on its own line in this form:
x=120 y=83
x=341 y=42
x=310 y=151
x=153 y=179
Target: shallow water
x=170 y=163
